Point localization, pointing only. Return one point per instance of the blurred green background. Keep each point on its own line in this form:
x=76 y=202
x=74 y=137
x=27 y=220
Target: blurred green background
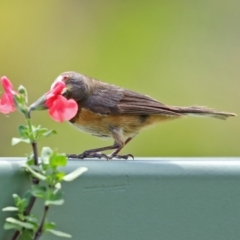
x=179 y=52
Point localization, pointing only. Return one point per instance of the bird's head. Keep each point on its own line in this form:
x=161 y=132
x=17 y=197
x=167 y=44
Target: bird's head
x=76 y=87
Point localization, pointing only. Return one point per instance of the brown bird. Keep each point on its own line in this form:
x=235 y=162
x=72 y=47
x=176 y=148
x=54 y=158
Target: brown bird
x=106 y=110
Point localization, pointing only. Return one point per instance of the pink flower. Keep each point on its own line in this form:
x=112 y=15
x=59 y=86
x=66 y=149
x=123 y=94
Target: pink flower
x=60 y=108
x=7 y=102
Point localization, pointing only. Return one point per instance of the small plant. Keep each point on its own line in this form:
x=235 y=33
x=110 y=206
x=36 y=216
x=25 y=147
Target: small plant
x=44 y=170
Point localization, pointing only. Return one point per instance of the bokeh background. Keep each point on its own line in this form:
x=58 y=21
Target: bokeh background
x=179 y=52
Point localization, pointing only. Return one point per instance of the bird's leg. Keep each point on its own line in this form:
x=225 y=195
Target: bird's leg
x=116 y=155
x=94 y=153
x=119 y=143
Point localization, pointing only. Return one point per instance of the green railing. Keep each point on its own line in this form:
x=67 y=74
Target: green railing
x=144 y=199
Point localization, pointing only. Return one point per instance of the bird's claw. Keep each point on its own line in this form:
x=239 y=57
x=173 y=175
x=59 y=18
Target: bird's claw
x=88 y=155
x=121 y=156
x=99 y=156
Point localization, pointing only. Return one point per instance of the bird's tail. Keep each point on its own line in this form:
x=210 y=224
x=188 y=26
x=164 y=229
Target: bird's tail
x=203 y=111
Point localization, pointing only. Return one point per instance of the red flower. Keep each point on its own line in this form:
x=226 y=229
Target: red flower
x=7 y=102
x=60 y=108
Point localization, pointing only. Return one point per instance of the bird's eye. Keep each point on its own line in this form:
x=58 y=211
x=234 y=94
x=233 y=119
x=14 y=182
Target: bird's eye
x=65 y=78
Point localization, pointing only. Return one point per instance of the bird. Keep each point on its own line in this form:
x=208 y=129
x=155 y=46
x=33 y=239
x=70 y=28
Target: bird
x=110 y=111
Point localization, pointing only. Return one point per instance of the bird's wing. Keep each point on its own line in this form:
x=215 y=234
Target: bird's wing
x=110 y=99
x=136 y=103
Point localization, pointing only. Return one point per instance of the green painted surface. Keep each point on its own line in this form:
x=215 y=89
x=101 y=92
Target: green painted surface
x=165 y=198
x=180 y=52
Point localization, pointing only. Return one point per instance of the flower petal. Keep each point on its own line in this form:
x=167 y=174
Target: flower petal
x=56 y=110
x=6 y=104
x=63 y=109
x=60 y=109
x=70 y=110
x=56 y=90
x=7 y=85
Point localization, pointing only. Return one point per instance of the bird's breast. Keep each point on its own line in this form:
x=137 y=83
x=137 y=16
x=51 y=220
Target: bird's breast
x=102 y=125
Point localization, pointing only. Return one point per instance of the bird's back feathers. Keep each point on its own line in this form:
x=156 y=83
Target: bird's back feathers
x=110 y=99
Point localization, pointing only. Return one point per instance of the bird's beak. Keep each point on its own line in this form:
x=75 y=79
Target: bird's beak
x=39 y=104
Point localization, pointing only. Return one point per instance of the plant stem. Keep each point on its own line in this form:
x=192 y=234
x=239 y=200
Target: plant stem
x=34 y=180
x=28 y=210
x=30 y=129
x=34 y=144
x=16 y=235
x=40 y=229
x=35 y=153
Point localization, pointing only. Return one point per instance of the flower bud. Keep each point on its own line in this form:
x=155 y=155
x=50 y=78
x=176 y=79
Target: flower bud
x=23 y=91
x=20 y=104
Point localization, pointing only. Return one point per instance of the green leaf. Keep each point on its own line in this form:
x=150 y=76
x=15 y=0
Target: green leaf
x=22 y=204
x=30 y=159
x=59 y=176
x=57 y=160
x=35 y=174
x=39 y=191
x=16 y=198
x=21 y=224
x=23 y=131
x=54 y=194
x=15 y=141
x=36 y=168
x=74 y=174
x=48 y=225
x=31 y=218
x=58 y=185
x=28 y=195
x=30 y=162
x=43 y=132
x=59 y=233
x=53 y=197
x=45 y=154
x=8 y=226
x=49 y=132
x=26 y=235
x=55 y=202
x=35 y=129
x=10 y=209
x=20 y=216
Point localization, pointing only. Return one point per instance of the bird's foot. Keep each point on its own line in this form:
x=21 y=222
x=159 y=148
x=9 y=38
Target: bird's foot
x=88 y=155
x=99 y=156
x=126 y=156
